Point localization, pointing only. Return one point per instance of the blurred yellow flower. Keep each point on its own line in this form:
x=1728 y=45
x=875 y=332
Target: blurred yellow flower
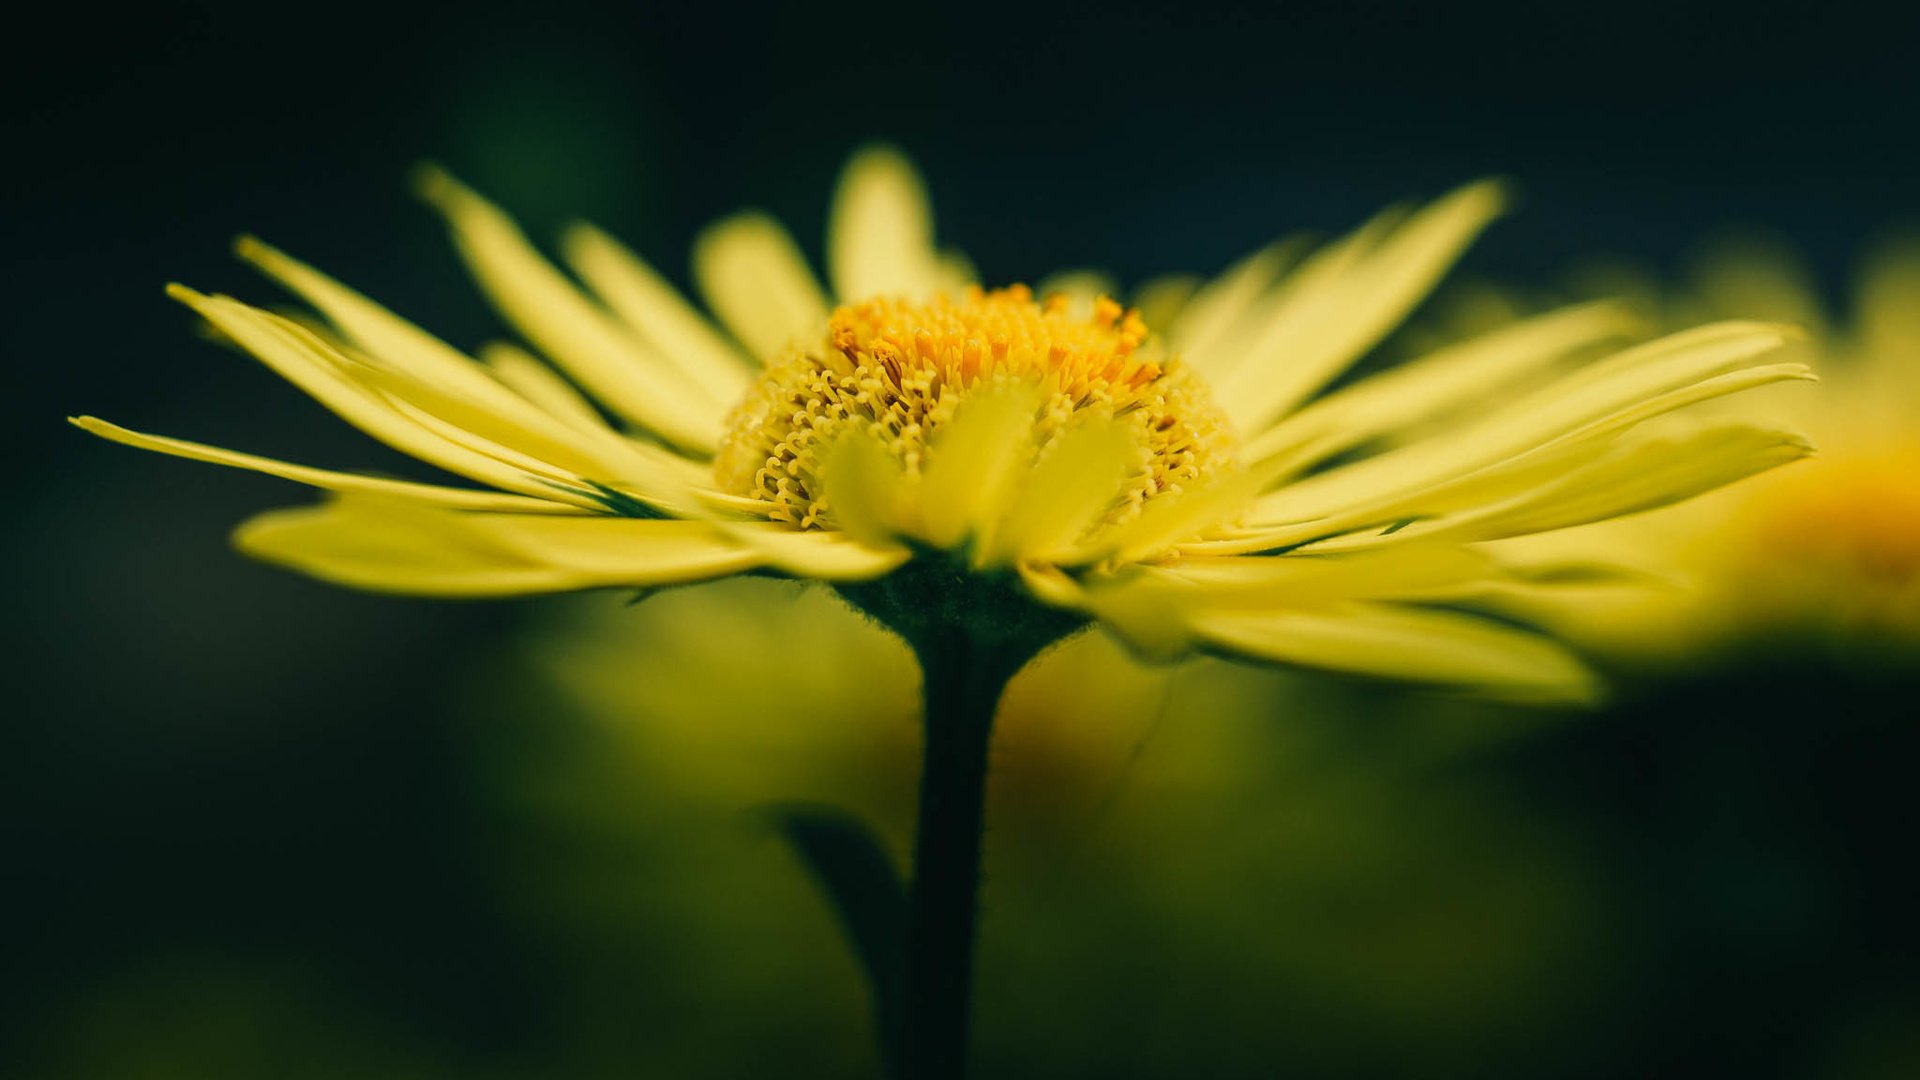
x=1046 y=462
x=1831 y=547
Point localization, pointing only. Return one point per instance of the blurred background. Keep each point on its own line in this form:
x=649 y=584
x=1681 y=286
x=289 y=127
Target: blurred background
x=255 y=826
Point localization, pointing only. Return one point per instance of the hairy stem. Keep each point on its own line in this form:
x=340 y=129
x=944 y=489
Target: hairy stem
x=964 y=678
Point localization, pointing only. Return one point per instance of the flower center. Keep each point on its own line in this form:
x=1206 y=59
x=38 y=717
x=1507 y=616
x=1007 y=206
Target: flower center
x=900 y=370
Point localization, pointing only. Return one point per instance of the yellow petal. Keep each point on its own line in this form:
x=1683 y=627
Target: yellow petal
x=1080 y=288
x=629 y=376
x=1888 y=314
x=1754 y=277
x=1638 y=475
x=1076 y=481
x=1383 y=640
x=823 y=556
x=756 y=281
x=326 y=479
x=1218 y=312
x=1461 y=376
x=972 y=463
x=301 y=358
x=880 y=232
x=1411 y=572
x=385 y=546
x=1175 y=516
x=864 y=488
x=1323 y=326
x=542 y=386
x=421 y=360
x=1152 y=608
x=1162 y=300
x=551 y=446
x=1571 y=464
x=1356 y=494
x=1136 y=608
x=655 y=310
x=391 y=339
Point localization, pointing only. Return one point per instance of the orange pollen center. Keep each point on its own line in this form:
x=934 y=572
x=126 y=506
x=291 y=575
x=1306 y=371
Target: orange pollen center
x=899 y=369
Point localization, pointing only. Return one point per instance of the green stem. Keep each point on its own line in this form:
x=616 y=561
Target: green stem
x=964 y=678
x=972 y=632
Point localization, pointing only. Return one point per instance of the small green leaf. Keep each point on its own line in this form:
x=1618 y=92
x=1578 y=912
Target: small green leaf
x=850 y=864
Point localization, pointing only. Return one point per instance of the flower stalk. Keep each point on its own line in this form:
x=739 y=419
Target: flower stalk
x=964 y=679
x=972 y=634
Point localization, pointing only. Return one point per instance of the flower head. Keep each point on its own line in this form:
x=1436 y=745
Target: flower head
x=944 y=452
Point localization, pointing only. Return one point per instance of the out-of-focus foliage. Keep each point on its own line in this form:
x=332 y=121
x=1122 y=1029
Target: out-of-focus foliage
x=1191 y=870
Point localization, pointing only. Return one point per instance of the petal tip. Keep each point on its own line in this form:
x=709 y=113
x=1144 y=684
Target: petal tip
x=435 y=185
x=879 y=155
x=250 y=247
x=193 y=298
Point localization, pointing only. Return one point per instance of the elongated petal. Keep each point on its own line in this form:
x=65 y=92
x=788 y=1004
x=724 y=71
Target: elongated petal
x=865 y=490
x=880 y=232
x=1327 y=327
x=1356 y=493
x=1296 y=300
x=625 y=373
x=1153 y=609
x=309 y=363
x=1566 y=474
x=1411 y=572
x=326 y=479
x=386 y=546
x=1440 y=647
x=1888 y=316
x=756 y=281
x=541 y=385
x=1163 y=300
x=1174 y=516
x=1076 y=481
x=420 y=369
x=972 y=463
x=372 y=326
x=549 y=445
x=826 y=556
x=655 y=310
x=1142 y=610
x=386 y=336
x=1080 y=288
x=1460 y=376
x=1754 y=277
x=1217 y=312
x=1640 y=475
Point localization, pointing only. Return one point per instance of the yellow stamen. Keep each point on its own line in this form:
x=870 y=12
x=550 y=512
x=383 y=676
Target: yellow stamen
x=900 y=369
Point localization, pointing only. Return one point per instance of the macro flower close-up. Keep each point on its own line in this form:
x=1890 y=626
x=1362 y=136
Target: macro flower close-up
x=1029 y=463
x=916 y=544
x=986 y=472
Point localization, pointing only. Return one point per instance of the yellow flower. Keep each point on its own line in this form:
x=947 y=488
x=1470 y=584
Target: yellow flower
x=1830 y=547
x=1022 y=465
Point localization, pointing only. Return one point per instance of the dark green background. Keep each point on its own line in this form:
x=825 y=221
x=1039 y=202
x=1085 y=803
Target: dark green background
x=207 y=757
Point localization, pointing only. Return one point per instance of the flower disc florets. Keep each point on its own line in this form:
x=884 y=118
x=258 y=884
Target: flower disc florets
x=900 y=370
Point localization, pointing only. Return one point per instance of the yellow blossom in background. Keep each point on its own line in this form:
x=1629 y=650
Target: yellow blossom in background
x=1829 y=547
x=1190 y=486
